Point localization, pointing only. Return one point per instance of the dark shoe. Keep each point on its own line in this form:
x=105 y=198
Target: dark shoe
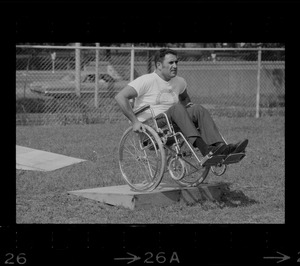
x=241 y=146
x=213 y=146
x=218 y=149
x=235 y=148
x=229 y=149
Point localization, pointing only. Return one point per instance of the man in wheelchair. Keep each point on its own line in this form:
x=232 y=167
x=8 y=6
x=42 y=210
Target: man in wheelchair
x=167 y=93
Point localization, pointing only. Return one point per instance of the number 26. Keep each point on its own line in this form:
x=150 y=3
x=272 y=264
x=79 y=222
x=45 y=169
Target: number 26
x=20 y=259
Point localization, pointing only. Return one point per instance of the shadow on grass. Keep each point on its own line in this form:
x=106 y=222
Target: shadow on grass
x=235 y=198
x=216 y=194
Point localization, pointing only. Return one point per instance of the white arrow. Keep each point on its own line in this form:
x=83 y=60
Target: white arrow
x=132 y=259
x=285 y=257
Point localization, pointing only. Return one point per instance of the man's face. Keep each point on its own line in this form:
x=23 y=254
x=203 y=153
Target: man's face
x=169 y=66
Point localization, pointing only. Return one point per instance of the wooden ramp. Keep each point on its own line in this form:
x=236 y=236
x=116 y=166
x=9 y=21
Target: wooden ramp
x=163 y=195
x=31 y=159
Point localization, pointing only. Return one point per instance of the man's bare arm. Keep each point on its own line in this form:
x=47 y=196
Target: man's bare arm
x=184 y=98
x=122 y=99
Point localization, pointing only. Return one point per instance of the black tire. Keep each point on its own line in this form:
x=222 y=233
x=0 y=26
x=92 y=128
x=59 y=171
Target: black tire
x=142 y=159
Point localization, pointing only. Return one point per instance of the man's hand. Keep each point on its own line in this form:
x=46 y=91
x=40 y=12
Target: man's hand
x=138 y=127
x=189 y=104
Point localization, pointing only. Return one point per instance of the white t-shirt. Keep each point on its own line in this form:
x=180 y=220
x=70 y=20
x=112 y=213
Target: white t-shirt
x=156 y=92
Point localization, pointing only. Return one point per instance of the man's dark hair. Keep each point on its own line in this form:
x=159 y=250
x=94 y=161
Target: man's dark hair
x=160 y=55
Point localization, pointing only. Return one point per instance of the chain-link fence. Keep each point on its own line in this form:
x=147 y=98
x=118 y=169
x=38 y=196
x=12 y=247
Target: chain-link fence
x=64 y=85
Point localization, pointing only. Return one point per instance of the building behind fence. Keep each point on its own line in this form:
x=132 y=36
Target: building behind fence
x=66 y=85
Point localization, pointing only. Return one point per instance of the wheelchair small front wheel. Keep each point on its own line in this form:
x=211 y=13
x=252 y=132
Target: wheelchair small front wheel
x=218 y=170
x=142 y=159
x=176 y=167
x=194 y=173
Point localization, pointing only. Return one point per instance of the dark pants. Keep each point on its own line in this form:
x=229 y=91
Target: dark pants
x=187 y=120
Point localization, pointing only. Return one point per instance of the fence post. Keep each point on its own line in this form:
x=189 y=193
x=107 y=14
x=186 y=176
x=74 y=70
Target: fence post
x=97 y=75
x=77 y=69
x=26 y=74
x=53 y=56
x=258 y=83
x=132 y=64
x=132 y=70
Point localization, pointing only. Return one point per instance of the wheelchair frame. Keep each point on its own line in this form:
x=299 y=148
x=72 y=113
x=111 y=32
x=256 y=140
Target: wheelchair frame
x=167 y=157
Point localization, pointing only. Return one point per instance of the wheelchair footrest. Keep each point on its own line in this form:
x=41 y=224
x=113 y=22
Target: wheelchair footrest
x=234 y=158
x=214 y=160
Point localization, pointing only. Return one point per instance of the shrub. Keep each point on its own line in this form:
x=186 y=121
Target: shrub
x=30 y=105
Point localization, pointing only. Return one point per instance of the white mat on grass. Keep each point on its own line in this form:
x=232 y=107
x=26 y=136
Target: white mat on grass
x=31 y=159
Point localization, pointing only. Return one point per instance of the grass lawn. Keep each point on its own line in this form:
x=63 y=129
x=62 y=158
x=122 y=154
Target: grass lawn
x=257 y=183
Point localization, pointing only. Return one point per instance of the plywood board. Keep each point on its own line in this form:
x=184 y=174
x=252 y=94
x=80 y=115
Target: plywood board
x=32 y=159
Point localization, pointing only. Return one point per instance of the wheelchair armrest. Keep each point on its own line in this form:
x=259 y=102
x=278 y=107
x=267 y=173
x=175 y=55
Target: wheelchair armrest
x=141 y=109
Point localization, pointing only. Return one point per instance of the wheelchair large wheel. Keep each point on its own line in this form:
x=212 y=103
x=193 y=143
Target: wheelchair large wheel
x=142 y=159
x=194 y=173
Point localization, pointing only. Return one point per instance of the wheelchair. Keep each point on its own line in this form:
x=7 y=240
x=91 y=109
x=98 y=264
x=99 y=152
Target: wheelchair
x=145 y=157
